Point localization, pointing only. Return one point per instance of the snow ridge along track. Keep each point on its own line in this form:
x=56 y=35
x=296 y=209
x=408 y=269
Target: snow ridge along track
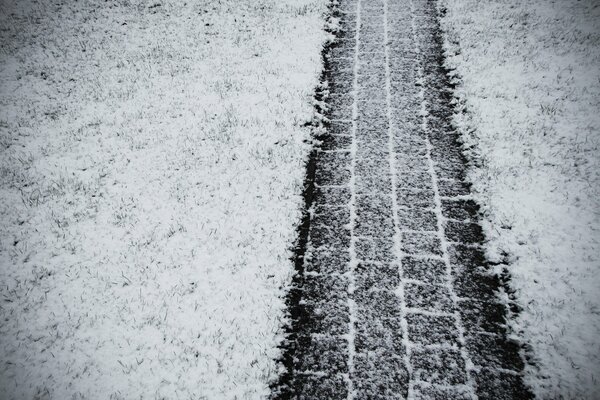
x=393 y=297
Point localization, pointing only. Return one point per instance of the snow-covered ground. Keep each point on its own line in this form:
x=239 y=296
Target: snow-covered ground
x=150 y=178
x=531 y=86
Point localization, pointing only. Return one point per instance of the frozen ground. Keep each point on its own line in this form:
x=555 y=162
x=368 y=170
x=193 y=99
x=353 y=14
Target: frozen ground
x=531 y=86
x=150 y=171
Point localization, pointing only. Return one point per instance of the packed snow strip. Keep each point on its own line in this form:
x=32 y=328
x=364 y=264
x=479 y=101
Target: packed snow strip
x=152 y=158
x=530 y=85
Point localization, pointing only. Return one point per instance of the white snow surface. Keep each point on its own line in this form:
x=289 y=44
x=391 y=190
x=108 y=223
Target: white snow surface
x=152 y=160
x=530 y=86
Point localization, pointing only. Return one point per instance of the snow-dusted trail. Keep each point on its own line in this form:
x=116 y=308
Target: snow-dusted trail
x=394 y=297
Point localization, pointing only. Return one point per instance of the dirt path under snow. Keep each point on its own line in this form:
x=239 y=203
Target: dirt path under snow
x=394 y=297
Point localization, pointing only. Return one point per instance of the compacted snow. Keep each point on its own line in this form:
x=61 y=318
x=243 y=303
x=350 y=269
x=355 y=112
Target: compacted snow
x=150 y=177
x=531 y=90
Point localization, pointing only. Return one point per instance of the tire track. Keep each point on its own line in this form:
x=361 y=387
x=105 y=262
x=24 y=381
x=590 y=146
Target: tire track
x=393 y=296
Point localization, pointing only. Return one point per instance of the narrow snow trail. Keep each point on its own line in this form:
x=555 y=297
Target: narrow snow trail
x=394 y=298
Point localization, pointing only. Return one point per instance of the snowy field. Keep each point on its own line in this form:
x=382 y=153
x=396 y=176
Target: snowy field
x=531 y=86
x=150 y=177
x=152 y=157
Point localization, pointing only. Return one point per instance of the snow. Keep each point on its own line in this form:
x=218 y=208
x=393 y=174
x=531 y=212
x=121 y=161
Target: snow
x=397 y=239
x=530 y=91
x=470 y=385
x=352 y=307
x=150 y=178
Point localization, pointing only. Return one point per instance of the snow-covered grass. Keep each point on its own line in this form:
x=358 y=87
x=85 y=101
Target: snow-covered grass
x=150 y=178
x=530 y=84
